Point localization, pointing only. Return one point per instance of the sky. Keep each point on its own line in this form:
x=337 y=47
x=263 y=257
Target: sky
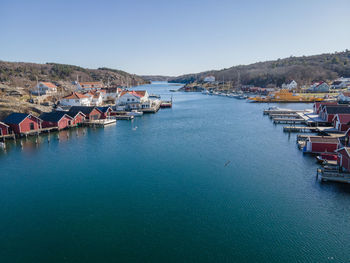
x=154 y=37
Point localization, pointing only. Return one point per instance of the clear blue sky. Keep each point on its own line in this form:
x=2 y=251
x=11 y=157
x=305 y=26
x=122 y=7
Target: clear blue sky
x=170 y=37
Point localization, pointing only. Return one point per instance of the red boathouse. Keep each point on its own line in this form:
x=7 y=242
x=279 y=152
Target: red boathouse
x=78 y=117
x=58 y=119
x=4 y=129
x=22 y=123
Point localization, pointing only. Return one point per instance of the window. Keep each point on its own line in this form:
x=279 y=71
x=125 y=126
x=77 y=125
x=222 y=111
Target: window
x=31 y=126
x=128 y=99
x=69 y=123
x=133 y=100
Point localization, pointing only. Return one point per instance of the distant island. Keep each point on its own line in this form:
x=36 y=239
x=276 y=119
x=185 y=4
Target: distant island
x=304 y=70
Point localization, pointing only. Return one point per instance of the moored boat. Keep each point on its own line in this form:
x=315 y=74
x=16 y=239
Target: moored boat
x=134 y=113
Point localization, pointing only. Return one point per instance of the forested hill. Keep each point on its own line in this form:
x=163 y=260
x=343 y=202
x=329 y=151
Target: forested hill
x=304 y=70
x=24 y=74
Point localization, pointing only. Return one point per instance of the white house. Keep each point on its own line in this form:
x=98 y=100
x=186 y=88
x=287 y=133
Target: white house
x=96 y=98
x=45 y=88
x=75 y=99
x=88 y=86
x=292 y=85
x=341 y=83
x=209 y=79
x=319 y=87
x=133 y=100
x=344 y=97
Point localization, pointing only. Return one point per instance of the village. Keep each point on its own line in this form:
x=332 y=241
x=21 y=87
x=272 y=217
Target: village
x=330 y=122
x=91 y=104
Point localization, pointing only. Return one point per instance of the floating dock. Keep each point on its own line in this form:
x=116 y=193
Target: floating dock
x=288 y=120
x=124 y=117
x=300 y=129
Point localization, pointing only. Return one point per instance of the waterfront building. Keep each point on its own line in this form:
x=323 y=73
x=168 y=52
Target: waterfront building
x=344 y=96
x=320 y=144
x=91 y=113
x=88 y=86
x=133 y=100
x=209 y=79
x=341 y=122
x=344 y=158
x=4 y=129
x=318 y=105
x=328 y=112
x=105 y=112
x=95 y=98
x=292 y=85
x=58 y=119
x=77 y=117
x=341 y=83
x=44 y=88
x=23 y=123
x=75 y=99
x=319 y=87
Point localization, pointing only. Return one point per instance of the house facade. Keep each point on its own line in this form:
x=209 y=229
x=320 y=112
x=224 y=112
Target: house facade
x=4 y=129
x=105 y=112
x=319 y=87
x=77 y=117
x=45 y=88
x=292 y=85
x=22 y=123
x=344 y=158
x=209 y=79
x=328 y=112
x=58 y=119
x=88 y=86
x=341 y=122
x=131 y=100
x=91 y=113
x=320 y=144
x=75 y=99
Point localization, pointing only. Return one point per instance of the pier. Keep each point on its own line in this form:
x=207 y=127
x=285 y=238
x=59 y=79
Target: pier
x=100 y=123
x=333 y=175
x=300 y=129
x=288 y=120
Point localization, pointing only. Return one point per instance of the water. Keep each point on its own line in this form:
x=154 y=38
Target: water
x=210 y=180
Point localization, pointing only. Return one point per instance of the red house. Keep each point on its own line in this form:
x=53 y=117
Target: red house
x=58 y=119
x=4 y=129
x=328 y=112
x=22 y=123
x=78 y=117
x=344 y=158
x=91 y=113
x=106 y=112
x=321 y=144
x=341 y=122
x=318 y=106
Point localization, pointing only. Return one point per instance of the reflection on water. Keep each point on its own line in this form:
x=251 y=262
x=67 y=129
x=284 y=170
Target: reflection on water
x=29 y=145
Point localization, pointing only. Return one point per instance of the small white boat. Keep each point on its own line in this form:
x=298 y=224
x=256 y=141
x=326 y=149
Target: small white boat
x=205 y=92
x=134 y=113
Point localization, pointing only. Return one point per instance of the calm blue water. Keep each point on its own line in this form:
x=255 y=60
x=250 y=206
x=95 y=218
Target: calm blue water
x=210 y=180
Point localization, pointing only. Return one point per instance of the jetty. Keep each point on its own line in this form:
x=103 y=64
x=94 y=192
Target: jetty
x=332 y=174
x=288 y=120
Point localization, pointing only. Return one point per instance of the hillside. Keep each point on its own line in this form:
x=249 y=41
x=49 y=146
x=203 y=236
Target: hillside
x=20 y=74
x=304 y=70
x=156 y=78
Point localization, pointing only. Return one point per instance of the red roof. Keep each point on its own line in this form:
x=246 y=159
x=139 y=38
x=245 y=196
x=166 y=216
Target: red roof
x=75 y=95
x=49 y=84
x=137 y=93
x=321 y=139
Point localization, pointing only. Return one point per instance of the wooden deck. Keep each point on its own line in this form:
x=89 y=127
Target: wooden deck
x=288 y=120
x=333 y=175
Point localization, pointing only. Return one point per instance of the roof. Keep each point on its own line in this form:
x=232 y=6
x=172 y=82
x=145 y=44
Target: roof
x=343 y=118
x=4 y=124
x=49 y=84
x=84 y=109
x=137 y=93
x=74 y=114
x=54 y=116
x=346 y=93
x=346 y=149
x=15 y=118
x=104 y=109
x=90 y=83
x=319 y=104
x=75 y=95
x=335 y=109
x=321 y=139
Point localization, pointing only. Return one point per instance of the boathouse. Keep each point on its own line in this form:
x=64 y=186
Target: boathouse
x=344 y=158
x=321 y=144
x=329 y=111
x=105 y=112
x=22 y=123
x=91 y=113
x=341 y=122
x=58 y=119
x=318 y=106
x=78 y=117
x=4 y=129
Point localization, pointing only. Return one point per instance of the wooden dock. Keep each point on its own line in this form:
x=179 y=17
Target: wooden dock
x=99 y=123
x=288 y=120
x=300 y=129
x=284 y=115
x=124 y=117
x=327 y=174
